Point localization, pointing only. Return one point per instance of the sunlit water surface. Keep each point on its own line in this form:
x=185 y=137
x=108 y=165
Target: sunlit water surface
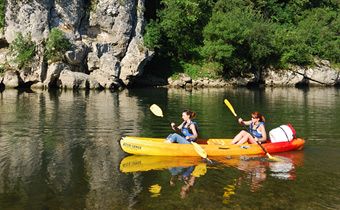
x=59 y=150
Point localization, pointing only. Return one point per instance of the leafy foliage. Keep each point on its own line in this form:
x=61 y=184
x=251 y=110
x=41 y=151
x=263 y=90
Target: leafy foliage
x=179 y=21
x=56 y=46
x=152 y=35
x=244 y=36
x=23 y=50
x=2 y=13
x=238 y=38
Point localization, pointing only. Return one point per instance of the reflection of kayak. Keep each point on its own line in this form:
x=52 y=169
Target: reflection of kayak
x=137 y=163
x=213 y=147
x=145 y=162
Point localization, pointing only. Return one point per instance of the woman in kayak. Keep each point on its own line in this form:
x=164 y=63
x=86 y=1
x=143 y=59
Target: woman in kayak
x=256 y=133
x=188 y=129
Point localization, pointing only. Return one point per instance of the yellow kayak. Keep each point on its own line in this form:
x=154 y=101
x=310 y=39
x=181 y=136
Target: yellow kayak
x=213 y=147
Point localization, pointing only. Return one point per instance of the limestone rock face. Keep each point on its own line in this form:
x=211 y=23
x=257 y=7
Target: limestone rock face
x=53 y=73
x=106 y=36
x=75 y=80
x=321 y=74
x=282 y=77
x=108 y=70
x=27 y=17
x=77 y=55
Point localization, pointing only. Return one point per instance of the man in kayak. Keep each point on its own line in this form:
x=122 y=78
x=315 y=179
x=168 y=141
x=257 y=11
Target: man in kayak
x=188 y=129
x=257 y=131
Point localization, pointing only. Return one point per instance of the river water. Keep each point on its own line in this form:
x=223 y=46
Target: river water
x=59 y=150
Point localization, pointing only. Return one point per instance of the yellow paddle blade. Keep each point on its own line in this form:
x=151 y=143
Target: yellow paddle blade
x=230 y=107
x=273 y=158
x=156 y=110
x=199 y=150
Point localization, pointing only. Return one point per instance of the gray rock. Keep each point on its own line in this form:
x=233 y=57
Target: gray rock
x=282 y=78
x=73 y=80
x=112 y=27
x=11 y=79
x=53 y=73
x=108 y=71
x=93 y=61
x=137 y=55
x=67 y=16
x=187 y=79
x=77 y=55
x=27 y=18
x=109 y=64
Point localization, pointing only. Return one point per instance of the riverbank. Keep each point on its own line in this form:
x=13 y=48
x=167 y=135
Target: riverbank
x=321 y=74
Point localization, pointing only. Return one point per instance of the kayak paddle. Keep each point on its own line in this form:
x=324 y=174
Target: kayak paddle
x=156 y=110
x=234 y=113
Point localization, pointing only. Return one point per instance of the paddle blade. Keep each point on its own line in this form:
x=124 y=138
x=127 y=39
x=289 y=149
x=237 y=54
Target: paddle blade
x=273 y=158
x=230 y=107
x=156 y=110
x=199 y=150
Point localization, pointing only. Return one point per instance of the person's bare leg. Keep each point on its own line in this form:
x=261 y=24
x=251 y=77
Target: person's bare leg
x=251 y=140
x=238 y=137
x=244 y=139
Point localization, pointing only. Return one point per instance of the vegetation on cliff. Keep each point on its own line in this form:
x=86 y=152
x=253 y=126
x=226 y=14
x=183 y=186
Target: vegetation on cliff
x=56 y=45
x=2 y=13
x=227 y=38
x=22 y=50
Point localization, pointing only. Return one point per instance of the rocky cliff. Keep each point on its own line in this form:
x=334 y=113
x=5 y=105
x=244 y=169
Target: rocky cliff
x=106 y=36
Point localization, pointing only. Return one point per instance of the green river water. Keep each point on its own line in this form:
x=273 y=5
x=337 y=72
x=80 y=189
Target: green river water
x=59 y=150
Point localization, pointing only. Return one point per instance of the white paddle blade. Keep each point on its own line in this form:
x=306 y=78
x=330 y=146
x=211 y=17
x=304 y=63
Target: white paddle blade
x=230 y=107
x=156 y=110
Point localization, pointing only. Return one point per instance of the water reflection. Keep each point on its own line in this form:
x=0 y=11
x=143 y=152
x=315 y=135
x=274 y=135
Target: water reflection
x=184 y=171
x=257 y=169
x=59 y=150
x=186 y=175
x=62 y=146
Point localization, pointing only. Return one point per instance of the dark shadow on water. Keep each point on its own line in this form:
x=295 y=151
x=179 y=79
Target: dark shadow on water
x=25 y=90
x=305 y=88
x=256 y=85
x=337 y=85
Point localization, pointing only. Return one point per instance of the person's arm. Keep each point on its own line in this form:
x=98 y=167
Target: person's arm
x=194 y=132
x=242 y=122
x=178 y=128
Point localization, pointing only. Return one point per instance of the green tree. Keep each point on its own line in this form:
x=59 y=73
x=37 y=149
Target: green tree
x=152 y=35
x=181 y=23
x=321 y=27
x=207 y=37
x=315 y=34
x=292 y=46
x=239 y=38
x=57 y=44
